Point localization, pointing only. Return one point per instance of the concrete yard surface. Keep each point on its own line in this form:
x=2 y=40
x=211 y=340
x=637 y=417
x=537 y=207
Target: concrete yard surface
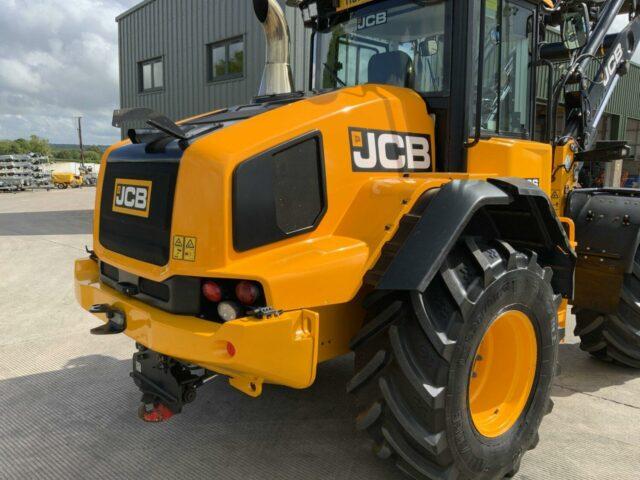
x=68 y=406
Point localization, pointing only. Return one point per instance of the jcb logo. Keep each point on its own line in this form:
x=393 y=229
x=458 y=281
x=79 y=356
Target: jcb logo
x=612 y=65
x=374 y=20
x=380 y=151
x=132 y=197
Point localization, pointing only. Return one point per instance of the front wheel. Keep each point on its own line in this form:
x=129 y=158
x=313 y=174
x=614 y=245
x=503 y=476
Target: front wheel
x=454 y=383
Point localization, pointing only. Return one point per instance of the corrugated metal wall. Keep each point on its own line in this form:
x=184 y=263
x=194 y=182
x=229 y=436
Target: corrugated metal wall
x=180 y=31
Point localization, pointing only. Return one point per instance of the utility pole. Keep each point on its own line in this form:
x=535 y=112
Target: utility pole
x=80 y=141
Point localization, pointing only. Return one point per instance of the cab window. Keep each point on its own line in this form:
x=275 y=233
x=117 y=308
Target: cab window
x=506 y=88
x=401 y=43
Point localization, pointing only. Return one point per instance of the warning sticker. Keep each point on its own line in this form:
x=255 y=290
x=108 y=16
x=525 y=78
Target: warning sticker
x=184 y=248
x=178 y=247
x=555 y=194
x=190 y=249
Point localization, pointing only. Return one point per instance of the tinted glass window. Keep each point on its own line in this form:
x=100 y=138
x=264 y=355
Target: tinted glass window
x=633 y=136
x=344 y=51
x=147 y=81
x=151 y=75
x=219 y=61
x=507 y=67
x=236 y=57
x=227 y=60
x=158 y=74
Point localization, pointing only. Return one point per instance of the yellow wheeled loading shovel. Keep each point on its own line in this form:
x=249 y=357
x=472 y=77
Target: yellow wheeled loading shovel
x=400 y=209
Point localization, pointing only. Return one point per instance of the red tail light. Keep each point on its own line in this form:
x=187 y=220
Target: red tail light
x=247 y=292
x=212 y=291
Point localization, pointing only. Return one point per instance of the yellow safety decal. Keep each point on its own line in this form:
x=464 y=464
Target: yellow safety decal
x=346 y=4
x=190 y=249
x=132 y=197
x=184 y=248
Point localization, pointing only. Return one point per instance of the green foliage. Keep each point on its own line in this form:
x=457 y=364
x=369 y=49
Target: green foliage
x=21 y=146
x=35 y=144
x=91 y=155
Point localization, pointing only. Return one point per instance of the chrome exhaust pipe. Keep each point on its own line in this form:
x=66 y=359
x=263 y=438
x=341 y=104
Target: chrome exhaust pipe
x=277 y=77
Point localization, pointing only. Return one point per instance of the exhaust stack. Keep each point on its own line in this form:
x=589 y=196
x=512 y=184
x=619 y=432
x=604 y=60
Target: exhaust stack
x=277 y=77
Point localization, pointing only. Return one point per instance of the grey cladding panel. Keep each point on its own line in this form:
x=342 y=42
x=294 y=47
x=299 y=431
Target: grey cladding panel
x=179 y=32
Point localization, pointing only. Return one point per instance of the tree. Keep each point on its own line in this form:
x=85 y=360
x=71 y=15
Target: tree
x=39 y=145
x=22 y=146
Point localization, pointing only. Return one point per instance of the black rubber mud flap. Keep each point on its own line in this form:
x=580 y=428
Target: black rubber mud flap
x=607 y=231
x=511 y=209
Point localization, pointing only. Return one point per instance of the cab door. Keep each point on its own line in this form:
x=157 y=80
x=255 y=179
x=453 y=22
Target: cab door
x=507 y=91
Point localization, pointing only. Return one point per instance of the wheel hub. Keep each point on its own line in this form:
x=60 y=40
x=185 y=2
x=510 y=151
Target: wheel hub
x=503 y=373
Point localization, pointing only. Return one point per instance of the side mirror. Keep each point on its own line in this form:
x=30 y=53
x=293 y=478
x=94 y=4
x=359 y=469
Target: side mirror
x=575 y=29
x=430 y=47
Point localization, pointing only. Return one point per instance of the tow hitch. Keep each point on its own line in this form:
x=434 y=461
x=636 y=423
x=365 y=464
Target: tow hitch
x=167 y=384
x=117 y=322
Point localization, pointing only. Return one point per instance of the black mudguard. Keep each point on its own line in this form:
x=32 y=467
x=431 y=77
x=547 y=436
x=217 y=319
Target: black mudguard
x=608 y=234
x=509 y=209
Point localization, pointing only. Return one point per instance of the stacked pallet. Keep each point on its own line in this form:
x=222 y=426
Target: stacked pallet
x=21 y=172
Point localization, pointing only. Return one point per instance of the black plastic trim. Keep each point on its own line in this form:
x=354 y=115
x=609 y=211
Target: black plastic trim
x=178 y=295
x=510 y=209
x=145 y=239
x=436 y=233
x=245 y=234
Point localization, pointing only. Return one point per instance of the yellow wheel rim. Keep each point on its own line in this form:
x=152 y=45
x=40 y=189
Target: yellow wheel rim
x=503 y=373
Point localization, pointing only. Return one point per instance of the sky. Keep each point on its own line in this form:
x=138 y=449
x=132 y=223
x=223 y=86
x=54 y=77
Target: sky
x=59 y=59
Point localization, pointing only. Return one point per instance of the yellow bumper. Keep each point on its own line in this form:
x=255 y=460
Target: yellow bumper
x=281 y=350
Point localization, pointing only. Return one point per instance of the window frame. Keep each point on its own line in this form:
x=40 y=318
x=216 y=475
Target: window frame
x=152 y=62
x=226 y=43
x=636 y=146
x=315 y=46
x=531 y=81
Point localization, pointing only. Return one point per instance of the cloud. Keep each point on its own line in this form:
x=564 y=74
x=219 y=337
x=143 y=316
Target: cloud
x=58 y=59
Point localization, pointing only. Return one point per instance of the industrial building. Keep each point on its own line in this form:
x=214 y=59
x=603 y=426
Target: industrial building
x=193 y=56
x=187 y=57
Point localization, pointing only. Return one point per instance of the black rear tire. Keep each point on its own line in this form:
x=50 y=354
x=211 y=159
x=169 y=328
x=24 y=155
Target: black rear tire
x=614 y=337
x=414 y=356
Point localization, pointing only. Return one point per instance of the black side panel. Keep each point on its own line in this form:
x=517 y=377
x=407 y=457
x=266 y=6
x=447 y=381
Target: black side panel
x=607 y=231
x=512 y=210
x=179 y=295
x=437 y=231
x=531 y=223
x=279 y=194
x=145 y=239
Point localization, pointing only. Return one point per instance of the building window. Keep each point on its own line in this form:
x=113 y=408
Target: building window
x=151 y=75
x=606 y=127
x=633 y=136
x=226 y=59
